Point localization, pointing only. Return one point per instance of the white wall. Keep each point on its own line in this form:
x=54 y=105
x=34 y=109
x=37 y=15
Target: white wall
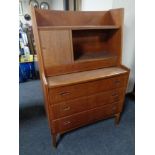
x=128 y=58
x=54 y=5
x=93 y=5
x=128 y=55
x=57 y=5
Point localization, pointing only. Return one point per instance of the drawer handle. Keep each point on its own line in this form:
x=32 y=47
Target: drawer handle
x=67 y=122
x=115 y=94
x=117 y=82
x=67 y=108
x=64 y=93
x=116 y=98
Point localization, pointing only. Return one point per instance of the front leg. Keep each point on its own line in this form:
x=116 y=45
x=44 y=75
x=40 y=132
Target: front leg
x=54 y=139
x=117 y=118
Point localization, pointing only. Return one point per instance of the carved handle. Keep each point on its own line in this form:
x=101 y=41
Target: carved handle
x=64 y=93
x=67 y=122
x=116 y=98
x=117 y=82
x=67 y=108
x=114 y=94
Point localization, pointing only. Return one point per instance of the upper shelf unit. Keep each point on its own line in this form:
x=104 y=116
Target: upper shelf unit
x=73 y=41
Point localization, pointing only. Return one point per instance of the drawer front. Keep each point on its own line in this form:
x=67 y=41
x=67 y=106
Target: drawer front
x=77 y=120
x=100 y=113
x=70 y=122
x=85 y=103
x=70 y=92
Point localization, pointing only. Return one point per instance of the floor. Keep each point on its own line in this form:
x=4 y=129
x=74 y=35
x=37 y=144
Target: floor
x=101 y=138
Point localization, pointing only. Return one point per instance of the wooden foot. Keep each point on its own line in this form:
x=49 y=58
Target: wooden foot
x=117 y=118
x=54 y=139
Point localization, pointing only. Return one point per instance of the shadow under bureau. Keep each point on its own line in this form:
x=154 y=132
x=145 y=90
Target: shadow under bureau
x=79 y=55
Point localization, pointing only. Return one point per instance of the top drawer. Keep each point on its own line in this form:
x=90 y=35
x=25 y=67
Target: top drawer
x=72 y=91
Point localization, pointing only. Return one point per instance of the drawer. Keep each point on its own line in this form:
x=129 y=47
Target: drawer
x=84 y=89
x=70 y=122
x=70 y=107
x=80 y=119
x=103 y=112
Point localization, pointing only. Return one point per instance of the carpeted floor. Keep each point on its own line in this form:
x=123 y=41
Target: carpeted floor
x=101 y=138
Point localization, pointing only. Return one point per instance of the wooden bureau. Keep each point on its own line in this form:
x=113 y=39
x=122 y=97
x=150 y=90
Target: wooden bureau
x=79 y=55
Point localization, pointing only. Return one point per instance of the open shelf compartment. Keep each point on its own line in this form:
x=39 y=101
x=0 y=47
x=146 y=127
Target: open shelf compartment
x=89 y=45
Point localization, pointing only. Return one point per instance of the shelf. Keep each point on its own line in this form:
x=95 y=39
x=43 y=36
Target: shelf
x=79 y=27
x=91 y=56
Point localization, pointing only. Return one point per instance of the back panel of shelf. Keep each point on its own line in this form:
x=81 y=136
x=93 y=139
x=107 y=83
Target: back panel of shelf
x=73 y=18
x=93 y=44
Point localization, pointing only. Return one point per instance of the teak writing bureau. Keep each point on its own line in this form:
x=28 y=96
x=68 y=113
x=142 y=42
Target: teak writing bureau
x=79 y=55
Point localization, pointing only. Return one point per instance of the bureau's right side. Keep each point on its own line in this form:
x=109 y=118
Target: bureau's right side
x=120 y=105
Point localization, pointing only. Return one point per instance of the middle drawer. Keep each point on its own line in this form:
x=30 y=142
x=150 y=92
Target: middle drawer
x=70 y=107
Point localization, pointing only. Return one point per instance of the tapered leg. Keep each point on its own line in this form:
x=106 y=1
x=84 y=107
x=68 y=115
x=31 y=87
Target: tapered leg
x=117 y=118
x=54 y=139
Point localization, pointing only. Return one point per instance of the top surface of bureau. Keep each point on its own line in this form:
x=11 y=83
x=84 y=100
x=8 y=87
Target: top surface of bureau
x=73 y=78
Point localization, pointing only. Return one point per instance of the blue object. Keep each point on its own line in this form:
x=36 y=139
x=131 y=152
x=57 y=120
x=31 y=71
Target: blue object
x=26 y=71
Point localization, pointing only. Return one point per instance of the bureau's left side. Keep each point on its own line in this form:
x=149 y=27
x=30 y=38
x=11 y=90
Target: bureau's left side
x=43 y=75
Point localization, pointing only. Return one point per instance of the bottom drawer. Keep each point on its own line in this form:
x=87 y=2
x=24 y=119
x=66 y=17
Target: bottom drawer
x=77 y=120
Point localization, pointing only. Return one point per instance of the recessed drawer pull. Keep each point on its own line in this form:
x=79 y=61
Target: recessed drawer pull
x=64 y=93
x=117 y=82
x=115 y=94
x=116 y=98
x=67 y=122
x=67 y=108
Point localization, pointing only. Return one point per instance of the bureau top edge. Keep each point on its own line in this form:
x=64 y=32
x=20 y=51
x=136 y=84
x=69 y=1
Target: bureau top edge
x=85 y=76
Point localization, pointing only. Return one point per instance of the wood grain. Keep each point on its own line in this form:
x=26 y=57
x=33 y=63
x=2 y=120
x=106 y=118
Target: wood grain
x=70 y=107
x=69 y=92
x=73 y=18
x=80 y=65
x=82 y=27
x=85 y=76
x=80 y=119
x=79 y=55
x=91 y=40
x=56 y=47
